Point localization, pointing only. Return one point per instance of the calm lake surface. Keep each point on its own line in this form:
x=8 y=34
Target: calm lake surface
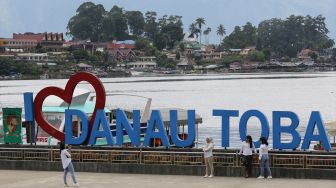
x=297 y=92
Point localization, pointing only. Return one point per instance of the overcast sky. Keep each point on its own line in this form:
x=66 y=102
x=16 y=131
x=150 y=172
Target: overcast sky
x=53 y=15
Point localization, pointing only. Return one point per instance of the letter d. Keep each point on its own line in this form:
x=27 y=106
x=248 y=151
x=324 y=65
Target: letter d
x=69 y=137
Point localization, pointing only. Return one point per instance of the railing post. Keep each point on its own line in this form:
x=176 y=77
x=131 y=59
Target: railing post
x=51 y=153
x=140 y=156
x=81 y=156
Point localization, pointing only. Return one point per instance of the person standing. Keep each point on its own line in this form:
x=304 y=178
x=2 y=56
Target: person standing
x=67 y=166
x=208 y=158
x=264 y=159
x=246 y=150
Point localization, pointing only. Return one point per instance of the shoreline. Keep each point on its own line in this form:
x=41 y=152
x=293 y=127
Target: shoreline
x=210 y=73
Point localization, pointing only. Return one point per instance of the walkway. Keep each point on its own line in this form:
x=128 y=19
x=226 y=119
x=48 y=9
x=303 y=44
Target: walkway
x=9 y=179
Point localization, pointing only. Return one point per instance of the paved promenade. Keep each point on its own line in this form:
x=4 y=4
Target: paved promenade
x=32 y=179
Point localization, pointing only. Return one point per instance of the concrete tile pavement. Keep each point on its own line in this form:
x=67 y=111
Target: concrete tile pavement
x=37 y=179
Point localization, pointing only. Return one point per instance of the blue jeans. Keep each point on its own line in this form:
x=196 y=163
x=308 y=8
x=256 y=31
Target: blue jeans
x=70 y=169
x=265 y=163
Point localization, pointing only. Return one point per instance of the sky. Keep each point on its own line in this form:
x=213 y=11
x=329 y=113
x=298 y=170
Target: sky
x=19 y=16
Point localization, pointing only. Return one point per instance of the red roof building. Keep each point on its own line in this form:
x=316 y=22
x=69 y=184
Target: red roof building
x=51 y=41
x=114 y=46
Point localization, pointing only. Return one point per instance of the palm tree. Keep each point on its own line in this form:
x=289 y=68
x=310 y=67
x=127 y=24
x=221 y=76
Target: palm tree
x=200 y=22
x=206 y=33
x=194 y=30
x=221 y=32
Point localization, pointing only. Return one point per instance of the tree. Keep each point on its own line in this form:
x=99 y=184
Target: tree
x=313 y=55
x=87 y=23
x=182 y=47
x=290 y=36
x=146 y=46
x=200 y=22
x=136 y=22
x=119 y=23
x=171 y=30
x=235 y=40
x=221 y=32
x=250 y=35
x=178 y=55
x=80 y=55
x=10 y=67
x=194 y=30
x=151 y=26
x=256 y=56
x=206 y=33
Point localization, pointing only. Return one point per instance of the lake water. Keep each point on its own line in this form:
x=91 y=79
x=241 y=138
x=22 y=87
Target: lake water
x=297 y=92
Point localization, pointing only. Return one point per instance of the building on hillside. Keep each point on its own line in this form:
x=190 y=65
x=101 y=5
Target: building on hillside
x=7 y=55
x=234 y=51
x=85 y=45
x=2 y=41
x=17 y=45
x=147 y=59
x=247 y=50
x=170 y=54
x=50 y=41
x=305 y=54
x=192 y=47
x=325 y=53
x=32 y=57
x=122 y=51
x=126 y=44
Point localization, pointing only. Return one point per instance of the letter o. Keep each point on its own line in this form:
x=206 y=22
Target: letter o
x=243 y=124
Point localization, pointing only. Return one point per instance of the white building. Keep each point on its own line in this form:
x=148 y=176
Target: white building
x=146 y=62
x=142 y=65
x=36 y=57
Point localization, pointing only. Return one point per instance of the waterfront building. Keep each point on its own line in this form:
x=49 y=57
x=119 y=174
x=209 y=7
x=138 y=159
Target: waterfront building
x=250 y=65
x=186 y=64
x=235 y=66
x=146 y=62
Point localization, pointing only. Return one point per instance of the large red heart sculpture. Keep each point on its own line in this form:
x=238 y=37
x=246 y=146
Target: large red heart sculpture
x=66 y=95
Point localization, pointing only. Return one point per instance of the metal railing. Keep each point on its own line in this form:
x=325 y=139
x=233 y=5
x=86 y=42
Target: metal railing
x=169 y=157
